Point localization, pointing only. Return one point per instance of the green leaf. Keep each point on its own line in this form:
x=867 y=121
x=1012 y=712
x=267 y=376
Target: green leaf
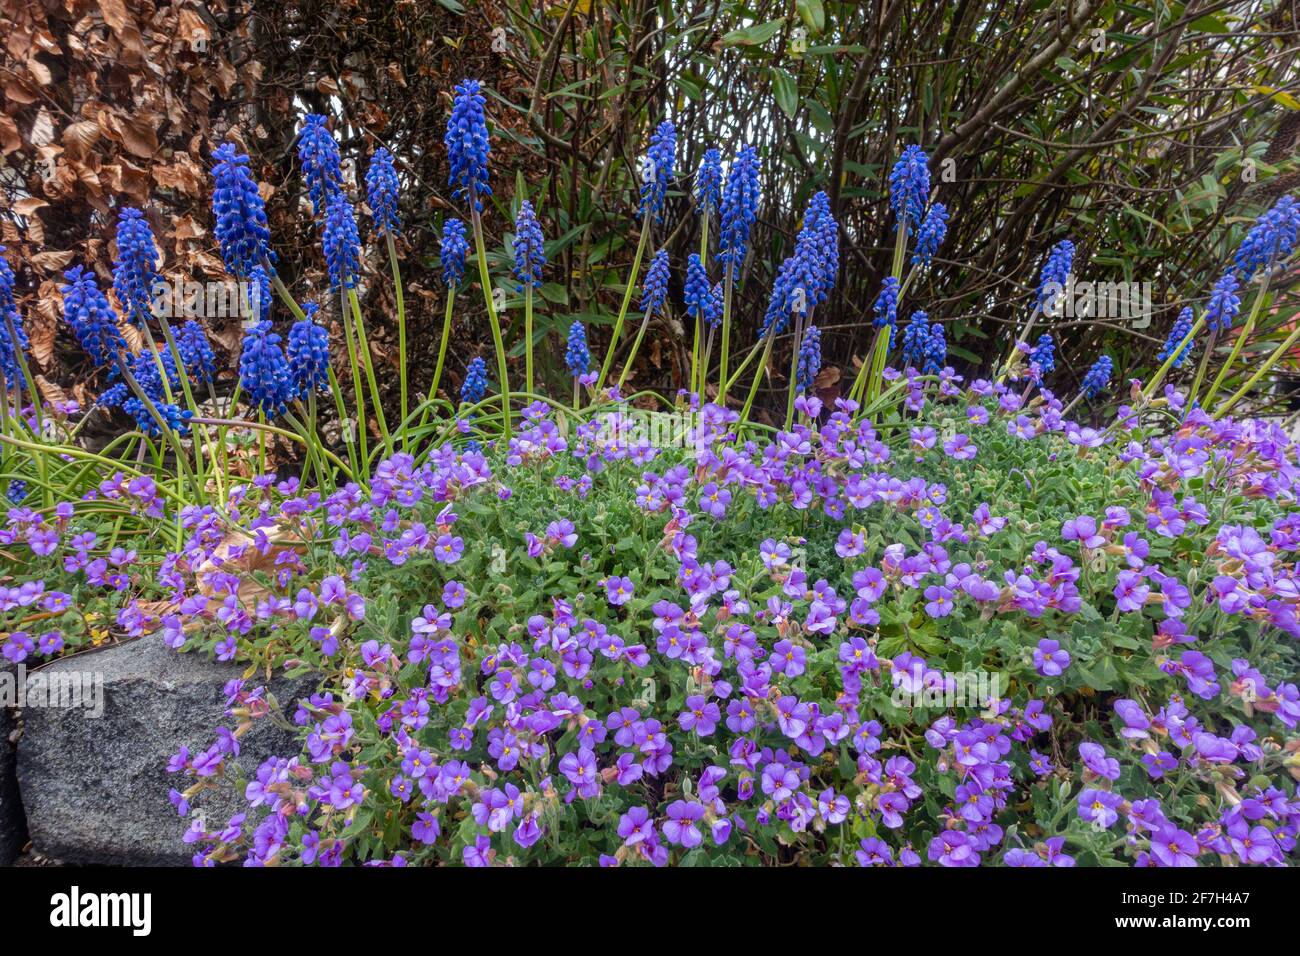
x=813 y=14
x=786 y=89
x=756 y=35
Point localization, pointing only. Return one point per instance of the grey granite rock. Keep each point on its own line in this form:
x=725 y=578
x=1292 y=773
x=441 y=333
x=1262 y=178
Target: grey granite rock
x=95 y=788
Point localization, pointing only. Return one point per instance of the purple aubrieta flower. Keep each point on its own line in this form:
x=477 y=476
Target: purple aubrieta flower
x=467 y=145
x=636 y=826
x=680 y=828
x=619 y=590
x=1099 y=807
x=701 y=716
x=1050 y=659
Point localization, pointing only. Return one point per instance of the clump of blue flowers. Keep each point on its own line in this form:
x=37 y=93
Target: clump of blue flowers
x=654 y=291
x=382 y=192
x=452 y=252
x=916 y=337
x=135 y=269
x=657 y=170
x=577 y=357
x=321 y=165
x=342 y=244
x=530 y=252
x=931 y=234
x=13 y=337
x=1223 y=305
x=936 y=350
x=1098 y=377
x=1182 y=325
x=909 y=186
x=1270 y=240
x=90 y=316
x=698 y=292
x=308 y=352
x=739 y=209
x=467 y=145
x=240 y=213
x=1044 y=355
x=885 y=308
x=196 y=352
x=1055 y=273
x=708 y=182
x=264 y=371
x=475 y=385
x=810 y=359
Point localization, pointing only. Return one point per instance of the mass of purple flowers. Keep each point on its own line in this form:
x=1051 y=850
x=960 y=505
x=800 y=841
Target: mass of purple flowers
x=964 y=629
x=697 y=678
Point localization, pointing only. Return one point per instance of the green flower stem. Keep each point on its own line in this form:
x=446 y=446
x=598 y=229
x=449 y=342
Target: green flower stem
x=794 y=370
x=1272 y=360
x=74 y=451
x=749 y=357
x=358 y=393
x=1149 y=389
x=364 y=347
x=627 y=301
x=528 y=336
x=201 y=439
x=1015 y=342
x=485 y=280
x=1260 y=296
x=875 y=384
x=636 y=344
x=336 y=389
x=261 y=426
x=769 y=338
x=401 y=326
x=181 y=463
x=1202 y=366
x=442 y=347
x=26 y=371
x=695 y=359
